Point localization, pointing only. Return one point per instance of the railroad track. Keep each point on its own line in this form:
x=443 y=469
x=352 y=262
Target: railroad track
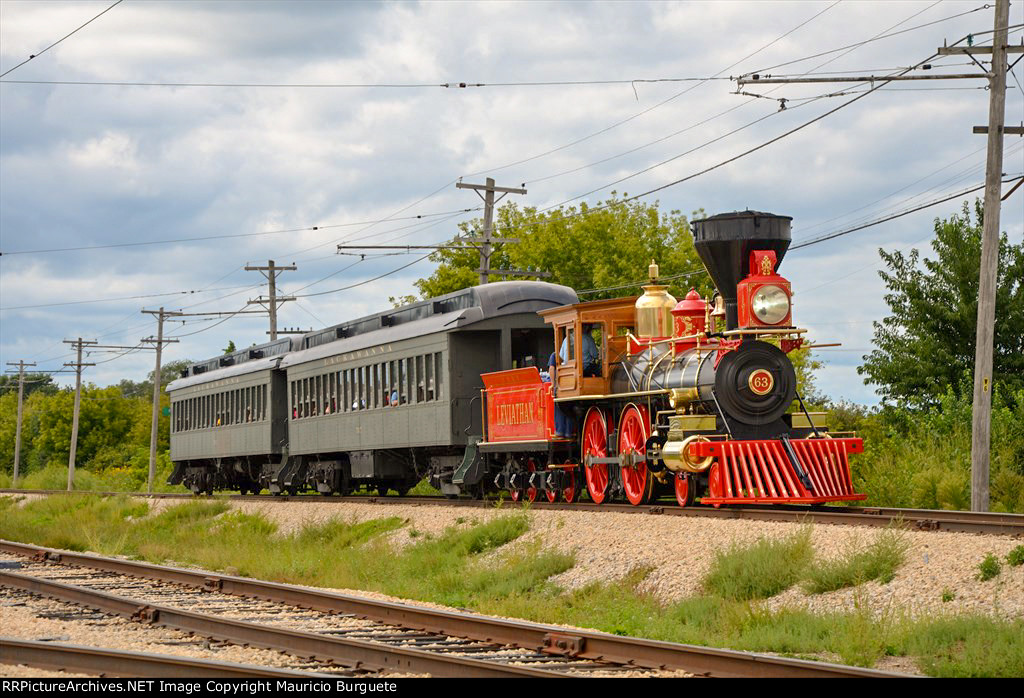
x=920 y=519
x=101 y=661
x=370 y=635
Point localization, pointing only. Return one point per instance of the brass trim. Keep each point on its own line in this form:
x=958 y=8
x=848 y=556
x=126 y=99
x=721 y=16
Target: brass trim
x=818 y=419
x=692 y=422
x=765 y=330
x=607 y=397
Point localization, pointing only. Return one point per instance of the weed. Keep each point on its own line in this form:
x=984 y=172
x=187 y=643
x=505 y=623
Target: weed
x=989 y=568
x=760 y=570
x=1015 y=558
x=857 y=565
x=967 y=646
x=947 y=595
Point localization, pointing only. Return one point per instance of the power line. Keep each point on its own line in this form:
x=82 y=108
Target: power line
x=336 y=85
x=119 y=298
x=873 y=39
x=36 y=55
x=652 y=108
x=840 y=233
x=313 y=228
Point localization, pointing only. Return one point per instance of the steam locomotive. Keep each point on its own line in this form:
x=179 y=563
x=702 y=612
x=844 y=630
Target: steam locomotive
x=643 y=396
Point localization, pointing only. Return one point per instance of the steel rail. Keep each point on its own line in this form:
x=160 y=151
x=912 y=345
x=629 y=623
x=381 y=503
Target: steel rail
x=345 y=651
x=573 y=643
x=921 y=519
x=103 y=661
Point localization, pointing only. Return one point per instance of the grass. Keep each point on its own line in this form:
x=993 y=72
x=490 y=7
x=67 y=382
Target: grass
x=761 y=570
x=55 y=477
x=472 y=565
x=878 y=560
x=989 y=568
x=1015 y=558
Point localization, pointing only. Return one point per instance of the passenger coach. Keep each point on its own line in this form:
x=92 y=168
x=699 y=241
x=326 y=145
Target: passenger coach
x=380 y=402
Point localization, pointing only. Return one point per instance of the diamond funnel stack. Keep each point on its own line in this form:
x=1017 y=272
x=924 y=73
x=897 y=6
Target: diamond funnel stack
x=724 y=243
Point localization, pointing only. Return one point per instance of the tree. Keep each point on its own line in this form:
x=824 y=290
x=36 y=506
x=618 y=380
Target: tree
x=582 y=247
x=230 y=348
x=33 y=382
x=927 y=344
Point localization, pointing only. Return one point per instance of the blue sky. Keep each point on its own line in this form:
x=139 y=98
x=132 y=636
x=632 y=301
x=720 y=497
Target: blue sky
x=104 y=165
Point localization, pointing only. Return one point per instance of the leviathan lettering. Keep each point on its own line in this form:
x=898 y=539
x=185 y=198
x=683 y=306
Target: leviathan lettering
x=516 y=413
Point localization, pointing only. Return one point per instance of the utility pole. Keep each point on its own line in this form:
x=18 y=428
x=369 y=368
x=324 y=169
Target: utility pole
x=270 y=272
x=17 y=434
x=489 y=201
x=981 y=435
x=159 y=342
x=78 y=403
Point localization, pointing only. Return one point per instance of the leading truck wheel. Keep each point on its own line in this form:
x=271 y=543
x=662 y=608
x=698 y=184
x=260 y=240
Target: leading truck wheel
x=595 y=444
x=637 y=480
x=527 y=493
x=569 y=492
x=684 y=489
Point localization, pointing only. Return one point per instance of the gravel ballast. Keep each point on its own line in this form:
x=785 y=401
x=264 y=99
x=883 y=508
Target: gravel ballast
x=680 y=550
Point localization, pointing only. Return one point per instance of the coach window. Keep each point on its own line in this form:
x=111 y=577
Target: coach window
x=346 y=392
x=428 y=376
x=438 y=375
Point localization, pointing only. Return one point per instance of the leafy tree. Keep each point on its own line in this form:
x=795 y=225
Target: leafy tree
x=33 y=382
x=230 y=348
x=927 y=344
x=582 y=248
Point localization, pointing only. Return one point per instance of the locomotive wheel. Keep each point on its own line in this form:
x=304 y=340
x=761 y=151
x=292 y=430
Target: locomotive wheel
x=595 y=443
x=637 y=480
x=684 y=489
x=527 y=493
x=552 y=495
x=531 y=492
x=569 y=492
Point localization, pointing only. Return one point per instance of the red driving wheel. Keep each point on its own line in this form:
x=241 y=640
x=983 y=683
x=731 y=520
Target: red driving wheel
x=637 y=480
x=595 y=443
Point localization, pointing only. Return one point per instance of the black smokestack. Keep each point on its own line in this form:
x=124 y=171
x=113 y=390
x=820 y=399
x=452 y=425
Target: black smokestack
x=724 y=243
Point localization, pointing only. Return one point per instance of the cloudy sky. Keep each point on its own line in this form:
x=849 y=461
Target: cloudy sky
x=260 y=120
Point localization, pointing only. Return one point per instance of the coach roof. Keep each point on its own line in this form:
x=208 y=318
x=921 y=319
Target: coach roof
x=441 y=314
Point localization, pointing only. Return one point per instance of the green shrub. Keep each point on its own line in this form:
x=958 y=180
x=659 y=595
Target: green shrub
x=1015 y=558
x=857 y=565
x=762 y=569
x=989 y=568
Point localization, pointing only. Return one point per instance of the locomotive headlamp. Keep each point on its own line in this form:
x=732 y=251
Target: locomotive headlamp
x=770 y=304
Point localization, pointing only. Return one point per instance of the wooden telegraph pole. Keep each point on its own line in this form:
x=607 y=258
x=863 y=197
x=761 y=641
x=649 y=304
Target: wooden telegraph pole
x=985 y=338
x=159 y=342
x=485 y=243
x=17 y=434
x=272 y=301
x=78 y=365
